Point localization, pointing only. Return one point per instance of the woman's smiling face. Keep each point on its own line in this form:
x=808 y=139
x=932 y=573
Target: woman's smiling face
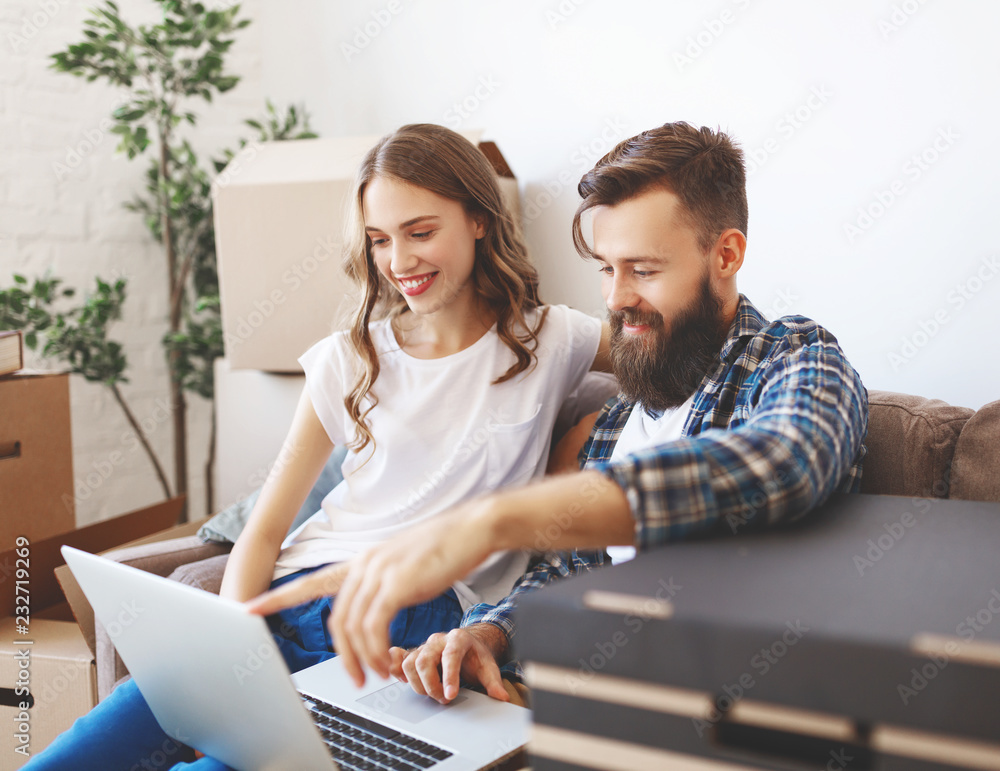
x=423 y=243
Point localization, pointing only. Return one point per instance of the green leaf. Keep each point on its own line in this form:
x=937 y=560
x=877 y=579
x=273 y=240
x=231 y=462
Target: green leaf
x=19 y=279
x=225 y=84
x=130 y=115
x=31 y=340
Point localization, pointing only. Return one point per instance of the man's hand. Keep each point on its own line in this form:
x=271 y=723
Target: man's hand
x=435 y=668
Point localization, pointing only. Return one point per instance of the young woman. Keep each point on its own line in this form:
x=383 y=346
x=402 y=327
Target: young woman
x=446 y=386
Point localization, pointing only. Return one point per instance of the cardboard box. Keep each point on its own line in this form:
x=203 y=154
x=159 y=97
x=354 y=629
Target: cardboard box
x=48 y=679
x=254 y=411
x=36 y=457
x=45 y=556
x=279 y=220
x=59 y=660
x=78 y=603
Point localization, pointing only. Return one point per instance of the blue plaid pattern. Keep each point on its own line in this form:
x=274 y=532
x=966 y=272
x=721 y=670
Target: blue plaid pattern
x=772 y=432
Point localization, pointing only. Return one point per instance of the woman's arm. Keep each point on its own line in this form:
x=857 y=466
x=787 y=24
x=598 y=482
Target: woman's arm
x=602 y=360
x=303 y=455
x=565 y=456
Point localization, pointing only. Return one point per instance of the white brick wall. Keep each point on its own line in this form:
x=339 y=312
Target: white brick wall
x=75 y=227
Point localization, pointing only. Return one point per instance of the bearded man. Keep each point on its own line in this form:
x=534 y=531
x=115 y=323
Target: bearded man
x=725 y=422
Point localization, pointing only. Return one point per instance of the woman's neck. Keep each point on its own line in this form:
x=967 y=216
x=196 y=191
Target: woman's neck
x=443 y=333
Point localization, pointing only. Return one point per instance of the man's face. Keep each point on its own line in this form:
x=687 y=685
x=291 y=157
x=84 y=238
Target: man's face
x=667 y=321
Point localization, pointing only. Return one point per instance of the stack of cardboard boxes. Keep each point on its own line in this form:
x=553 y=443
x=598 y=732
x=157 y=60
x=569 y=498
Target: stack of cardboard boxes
x=47 y=673
x=280 y=209
x=36 y=502
x=44 y=664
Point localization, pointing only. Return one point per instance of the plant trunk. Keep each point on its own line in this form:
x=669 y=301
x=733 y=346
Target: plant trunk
x=210 y=468
x=177 y=403
x=142 y=438
x=179 y=407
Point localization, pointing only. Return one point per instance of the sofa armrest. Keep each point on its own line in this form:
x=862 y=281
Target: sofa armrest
x=164 y=557
x=976 y=465
x=189 y=560
x=911 y=442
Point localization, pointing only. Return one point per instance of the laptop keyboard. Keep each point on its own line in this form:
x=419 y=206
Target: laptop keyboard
x=360 y=744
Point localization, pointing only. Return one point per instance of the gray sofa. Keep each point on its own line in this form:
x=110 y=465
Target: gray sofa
x=916 y=447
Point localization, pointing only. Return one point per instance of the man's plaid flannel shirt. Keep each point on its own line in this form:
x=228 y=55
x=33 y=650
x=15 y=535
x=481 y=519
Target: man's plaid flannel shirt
x=772 y=432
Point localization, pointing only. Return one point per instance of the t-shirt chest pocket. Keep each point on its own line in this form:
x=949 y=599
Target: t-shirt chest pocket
x=515 y=450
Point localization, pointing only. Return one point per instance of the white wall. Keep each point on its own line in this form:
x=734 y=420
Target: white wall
x=61 y=190
x=872 y=83
x=556 y=84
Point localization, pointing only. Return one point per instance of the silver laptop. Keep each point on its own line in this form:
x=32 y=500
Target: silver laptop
x=215 y=680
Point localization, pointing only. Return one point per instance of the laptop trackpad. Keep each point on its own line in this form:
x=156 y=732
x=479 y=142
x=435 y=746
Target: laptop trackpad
x=401 y=701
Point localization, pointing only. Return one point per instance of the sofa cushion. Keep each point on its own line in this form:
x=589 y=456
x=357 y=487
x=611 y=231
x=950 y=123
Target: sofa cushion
x=976 y=467
x=911 y=442
x=226 y=526
x=204 y=574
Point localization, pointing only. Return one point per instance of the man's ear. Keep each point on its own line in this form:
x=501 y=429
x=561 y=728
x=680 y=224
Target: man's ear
x=727 y=257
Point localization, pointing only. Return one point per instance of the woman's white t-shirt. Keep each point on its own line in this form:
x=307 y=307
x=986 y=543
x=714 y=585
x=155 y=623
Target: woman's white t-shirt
x=443 y=434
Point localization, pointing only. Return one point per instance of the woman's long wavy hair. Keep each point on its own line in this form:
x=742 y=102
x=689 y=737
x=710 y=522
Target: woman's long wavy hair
x=442 y=161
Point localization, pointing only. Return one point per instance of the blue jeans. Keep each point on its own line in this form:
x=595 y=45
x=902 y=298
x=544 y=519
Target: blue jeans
x=121 y=734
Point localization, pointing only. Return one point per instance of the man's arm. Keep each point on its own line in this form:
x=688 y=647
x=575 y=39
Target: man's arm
x=795 y=447
x=586 y=509
x=798 y=444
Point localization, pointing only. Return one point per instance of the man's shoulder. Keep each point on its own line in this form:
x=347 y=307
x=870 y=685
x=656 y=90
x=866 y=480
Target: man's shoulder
x=787 y=334
x=795 y=325
x=790 y=344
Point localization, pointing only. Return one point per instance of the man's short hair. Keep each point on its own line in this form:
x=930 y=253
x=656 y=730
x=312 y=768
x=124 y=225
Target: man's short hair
x=703 y=168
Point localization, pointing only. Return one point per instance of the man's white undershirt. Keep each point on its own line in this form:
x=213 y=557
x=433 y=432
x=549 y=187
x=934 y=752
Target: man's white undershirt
x=640 y=431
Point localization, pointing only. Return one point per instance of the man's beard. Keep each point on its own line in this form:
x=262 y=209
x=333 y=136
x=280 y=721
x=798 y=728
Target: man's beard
x=661 y=368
